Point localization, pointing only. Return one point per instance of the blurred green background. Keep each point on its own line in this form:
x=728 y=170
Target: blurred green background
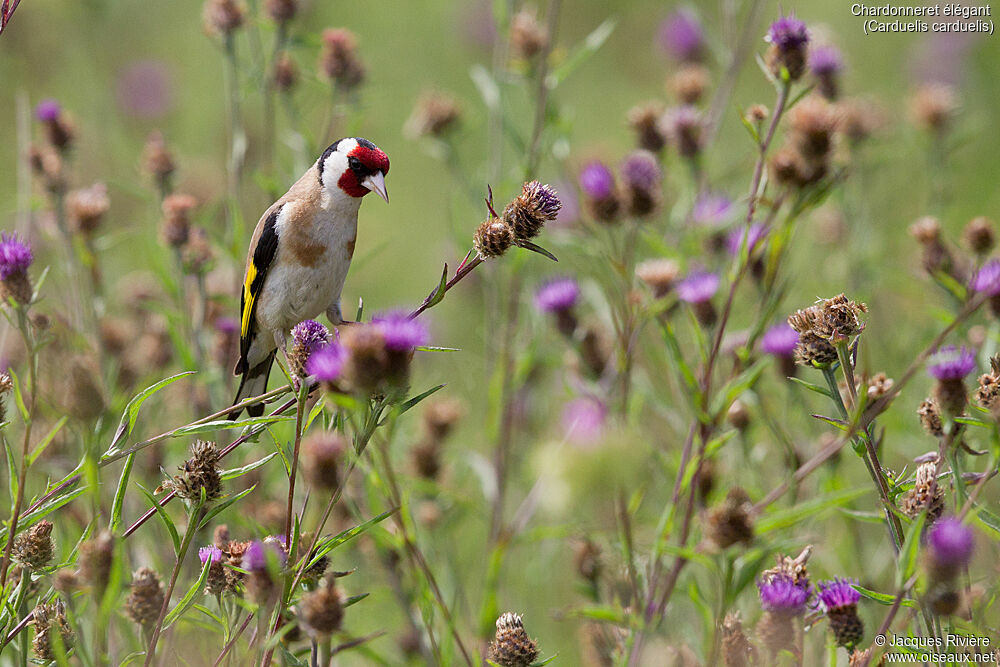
x=123 y=69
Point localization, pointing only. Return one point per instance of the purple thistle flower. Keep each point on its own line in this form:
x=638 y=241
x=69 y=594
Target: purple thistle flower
x=254 y=558
x=583 y=420
x=327 y=363
x=781 y=595
x=698 y=287
x=825 y=61
x=557 y=295
x=597 y=181
x=210 y=553
x=48 y=111
x=681 y=36
x=641 y=171
x=951 y=363
x=951 y=543
x=754 y=235
x=788 y=33
x=401 y=333
x=227 y=325
x=780 y=340
x=544 y=199
x=310 y=336
x=838 y=593
x=987 y=278
x=712 y=209
x=15 y=255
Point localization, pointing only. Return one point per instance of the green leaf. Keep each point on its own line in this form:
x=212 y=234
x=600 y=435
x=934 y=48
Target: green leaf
x=590 y=45
x=40 y=447
x=486 y=85
x=972 y=421
x=437 y=294
x=164 y=517
x=132 y=409
x=11 y=470
x=906 y=562
x=416 y=399
x=811 y=387
x=354 y=599
x=793 y=515
x=239 y=472
x=119 y=502
x=43 y=511
x=18 y=396
x=601 y=613
x=545 y=661
x=884 y=598
x=739 y=384
x=221 y=507
x=189 y=597
x=988 y=518
x=332 y=543
x=222 y=424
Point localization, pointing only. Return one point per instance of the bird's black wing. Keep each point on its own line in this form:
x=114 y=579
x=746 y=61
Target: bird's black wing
x=253 y=283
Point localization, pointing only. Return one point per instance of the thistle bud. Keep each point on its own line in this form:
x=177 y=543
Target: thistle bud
x=176 y=226
x=558 y=298
x=647 y=122
x=642 y=180
x=199 y=473
x=367 y=363
x=223 y=17
x=949 y=366
x=825 y=64
x=689 y=83
x=339 y=60
x=58 y=129
x=286 y=74
x=512 y=647
x=684 y=128
x=789 y=40
x=493 y=238
x=598 y=186
x=660 y=275
x=528 y=38
x=732 y=521
x=528 y=213
x=980 y=235
x=932 y=107
x=87 y=207
x=435 y=115
x=322 y=611
x=146 y=597
x=49 y=619
x=94 y=560
x=15 y=258
x=158 y=162
x=33 y=548
x=215 y=583
x=930 y=418
x=281 y=11
x=322 y=453
x=927 y=494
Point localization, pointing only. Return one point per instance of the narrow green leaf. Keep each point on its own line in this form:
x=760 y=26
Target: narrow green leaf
x=332 y=543
x=486 y=85
x=132 y=409
x=546 y=661
x=591 y=44
x=11 y=470
x=233 y=473
x=164 y=517
x=884 y=598
x=793 y=515
x=33 y=517
x=354 y=599
x=735 y=387
x=189 y=597
x=437 y=294
x=811 y=387
x=416 y=399
x=221 y=507
x=40 y=447
x=18 y=396
x=119 y=502
x=222 y=424
x=906 y=562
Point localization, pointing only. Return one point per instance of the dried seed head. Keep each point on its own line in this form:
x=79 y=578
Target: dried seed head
x=286 y=74
x=859 y=658
x=440 y=417
x=879 y=385
x=434 y=115
x=367 y=365
x=860 y=119
x=157 y=160
x=493 y=238
x=426 y=457
x=528 y=213
x=528 y=37
x=840 y=316
x=980 y=235
x=223 y=17
x=787 y=167
x=82 y=394
x=197 y=255
x=322 y=452
x=684 y=127
x=732 y=521
x=322 y=611
x=66 y=581
x=660 y=275
x=646 y=120
x=926 y=230
x=33 y=548
x=930 y=417
x=338 y=60
x=932 y=106
x=48 y=166
x=234 y=553
x=200 y=472
x=281 y=11
x=776 y=632
x=94 y=560
x=512 y=647
x=921 y=496
x=737 y=651
x=738 y=416
x=795 y=569
x=642 y=183
x=813 y=122
x=87 y=207
x=689 y=83
x=145 y=599
x=988 y=393
x=814 y=351
x=176 y=225
x=47 y=619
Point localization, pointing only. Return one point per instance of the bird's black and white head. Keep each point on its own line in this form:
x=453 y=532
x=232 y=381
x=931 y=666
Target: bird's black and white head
x=355 y=167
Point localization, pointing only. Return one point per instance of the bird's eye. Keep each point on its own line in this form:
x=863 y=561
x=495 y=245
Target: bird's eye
x=354 y=163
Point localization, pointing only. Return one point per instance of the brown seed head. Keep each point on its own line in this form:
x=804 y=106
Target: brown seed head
x=493 y=238
x=791 y=568
x=176 y=225
x=930 y=417
x=200 y=472
x=737 y=651
x=688 y=84
x=813 y=122
x=440 y=417
x=322 y=452
x=647 y=122
x=587 y=559
x=528 y=37
x=197 y=255
x=932 y=106
x=860 y=119
x=528 y=213
x=732 y=521
x=145 y=599
x=82 y=394
x=157 y=160
x=338 y=60
x=434 y=115
x=48 y=166
x=921 y=497
x=49 y=619
x=980 y=235
x=840 y=316
x=94 y=560
x=879 y=385
x=222 y=17
x=281 y=11
x=286 y=74
x=322 y=611
x=660 y=275
x=988 y=393
x=87 y=207
x=512 y=647
x=33 y=548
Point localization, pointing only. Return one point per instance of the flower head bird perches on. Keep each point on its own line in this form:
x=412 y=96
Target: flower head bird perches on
x=299 y=256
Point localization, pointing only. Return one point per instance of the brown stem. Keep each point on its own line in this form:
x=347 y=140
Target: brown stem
x=232 y=642
x=300 y=408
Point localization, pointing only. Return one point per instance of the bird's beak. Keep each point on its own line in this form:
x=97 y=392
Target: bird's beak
x=376 y=183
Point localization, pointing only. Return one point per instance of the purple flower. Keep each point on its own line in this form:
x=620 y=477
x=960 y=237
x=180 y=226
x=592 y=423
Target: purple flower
x=754 y=235
x=310 y=336
x=951 y=543
x=327 y=363
x=712 y=209
x=951 y=363
x=681 y=36
x=641 y=171
x=144 y=89
x=227 y=325
x=557 y=295
x=781 y=595
x=698 y=287
x=401 y=332
x=987 y=278
x=597 y=181
x=780 y=340
x=210 y=553
x=254 y=558
x=278 y=544
x=825 y=61
x=15 y=256
x=838 y=593
x=48 y=111
x=583 y=420
x=787 y=33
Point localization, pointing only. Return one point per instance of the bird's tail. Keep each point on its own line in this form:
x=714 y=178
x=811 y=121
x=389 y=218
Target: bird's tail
x=253 y=383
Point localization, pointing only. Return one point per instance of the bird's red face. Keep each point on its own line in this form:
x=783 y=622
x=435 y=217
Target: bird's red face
x=360 y=167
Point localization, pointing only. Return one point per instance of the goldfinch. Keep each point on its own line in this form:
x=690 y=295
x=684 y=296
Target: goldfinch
x=299 y=256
